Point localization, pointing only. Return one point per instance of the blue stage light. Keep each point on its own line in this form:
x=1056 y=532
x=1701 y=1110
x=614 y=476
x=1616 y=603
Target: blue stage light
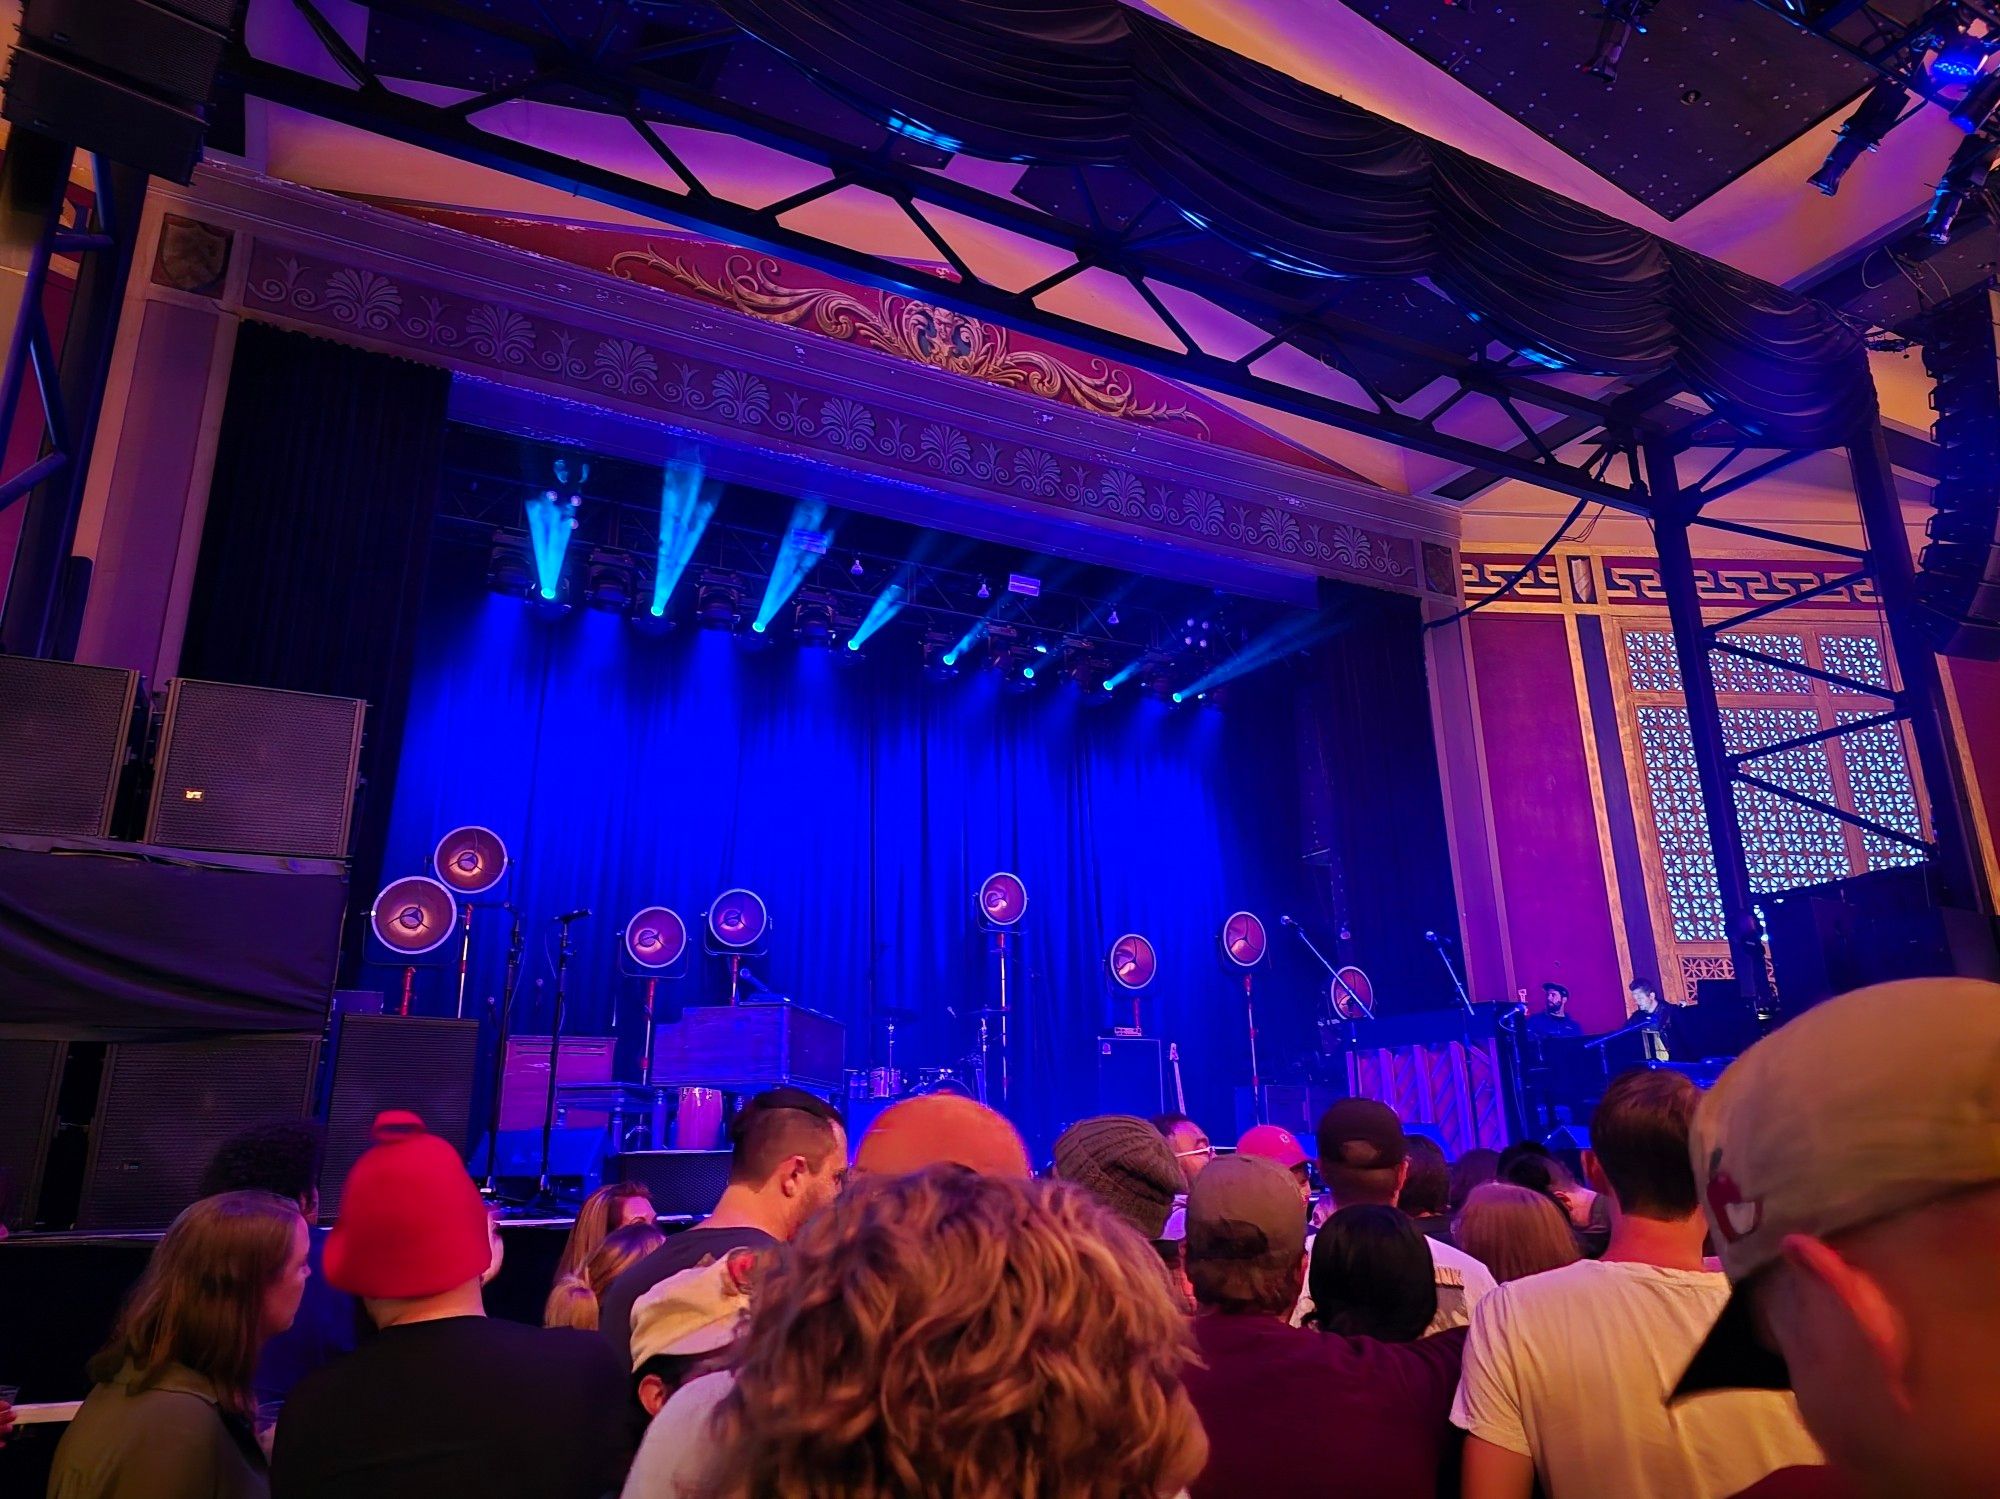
x=951 y=658
x=888 y=603
x=1110 y=684
x=854 y=642
x=1028 y=673
x=1180 y=697
x=551 y=523
x=687 y=503
x=804 y=542
x=1957 y=62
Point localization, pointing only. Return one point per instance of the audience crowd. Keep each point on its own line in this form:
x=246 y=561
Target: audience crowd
x=1782 y=1287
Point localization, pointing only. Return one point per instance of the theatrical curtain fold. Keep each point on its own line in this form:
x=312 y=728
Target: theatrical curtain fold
x=317 y=540
x=1314 y=186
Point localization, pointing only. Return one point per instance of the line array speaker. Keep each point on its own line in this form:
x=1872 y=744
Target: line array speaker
x=164 y=1106
x=1959 y=584
x=683 y=1183
x=253 y=770
x=129 y=78
x=423 y=1064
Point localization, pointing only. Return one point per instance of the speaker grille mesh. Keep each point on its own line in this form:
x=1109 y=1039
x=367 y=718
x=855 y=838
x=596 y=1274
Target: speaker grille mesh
x=683 y=1183
x=63 y=732
x=256 y=771
x=30 y=1072
x=166 y=1105
x=395 y=1062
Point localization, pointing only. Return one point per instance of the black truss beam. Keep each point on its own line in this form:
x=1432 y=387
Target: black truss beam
x=452 y=131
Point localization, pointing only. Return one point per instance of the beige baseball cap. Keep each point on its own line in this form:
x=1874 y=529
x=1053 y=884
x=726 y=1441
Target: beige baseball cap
x=1862 y=1108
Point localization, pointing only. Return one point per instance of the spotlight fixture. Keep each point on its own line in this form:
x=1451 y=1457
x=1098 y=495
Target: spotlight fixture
x=1619 y=21
x=1003 y=900
x=718 y=602
x=738 y=920
x=857 y=570
x=655 y=938
x=1964 y=175
x=1977 y=107
x=812 y=618
x=1244 y=942
x=413 y=915
x=1861 y=131
x=470 y=860
x=940 y=661
x=1351 y=995
x=511 y=568
x=982 y=592
x=1132 y=962
x=1111 y=618
x=611 y=581
x=1957 y=61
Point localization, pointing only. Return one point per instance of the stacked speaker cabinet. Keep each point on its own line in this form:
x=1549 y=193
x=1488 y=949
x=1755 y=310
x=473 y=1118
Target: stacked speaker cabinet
x=30 y=1077
x=253 y=770
x=65 y=739
x=382 y=1062
x=1959 y=581
x=164 y=1106
x=129 y=78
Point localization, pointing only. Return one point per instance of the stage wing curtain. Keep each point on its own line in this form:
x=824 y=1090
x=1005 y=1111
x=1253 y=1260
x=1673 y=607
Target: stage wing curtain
x=317 y=541
x=865 y=804
x=1317 y=185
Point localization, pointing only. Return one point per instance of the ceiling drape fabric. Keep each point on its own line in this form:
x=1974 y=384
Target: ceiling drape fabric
x=1318 y=187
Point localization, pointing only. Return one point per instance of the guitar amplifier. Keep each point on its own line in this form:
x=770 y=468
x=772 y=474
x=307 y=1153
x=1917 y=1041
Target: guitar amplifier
x=1132 y=1076
x=743 y=1048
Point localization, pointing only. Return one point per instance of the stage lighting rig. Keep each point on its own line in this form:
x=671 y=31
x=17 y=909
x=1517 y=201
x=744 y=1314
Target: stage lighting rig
x=611 y=581
x=1618 y=22
x=1861 y=131
x=812 y=618
x=718 y=601
x=511 y=569
x=1964 y=176
x=940 y=662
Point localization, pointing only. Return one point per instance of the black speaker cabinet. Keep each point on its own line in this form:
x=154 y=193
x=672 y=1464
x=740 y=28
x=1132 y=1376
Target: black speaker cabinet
x=422 y=1063
x=30 y=1076
x=164 y=1106
x=65 y=735
x=252 y=770
x=1132 y=1076
x=683 y=1183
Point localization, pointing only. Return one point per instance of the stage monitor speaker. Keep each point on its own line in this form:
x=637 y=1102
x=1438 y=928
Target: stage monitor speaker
x=1847 y=934
x=683 y=1183
x=30 y=1077
x=1958 y=582
x=254 y=770
x=524 y=1083
x=65 y=737
x=421 y=1063
x=1132 y=1076
x=164 y=1106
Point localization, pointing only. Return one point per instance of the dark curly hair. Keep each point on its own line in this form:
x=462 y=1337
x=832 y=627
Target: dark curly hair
x=279 y=1155
x=947 y=1333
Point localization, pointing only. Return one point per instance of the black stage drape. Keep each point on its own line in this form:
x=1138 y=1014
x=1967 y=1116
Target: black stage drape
x=317 y=541
x=1310 y=182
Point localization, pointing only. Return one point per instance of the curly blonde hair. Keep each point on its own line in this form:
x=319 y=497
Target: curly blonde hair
x=945 y=1333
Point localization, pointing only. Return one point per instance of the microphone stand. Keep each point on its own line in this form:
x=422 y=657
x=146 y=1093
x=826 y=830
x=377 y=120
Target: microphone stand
x=503 y=1021
x=543 y=1191
x=1332 y=972
x=1450 y=968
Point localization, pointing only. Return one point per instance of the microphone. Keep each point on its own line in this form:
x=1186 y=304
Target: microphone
x=569 y=916
x=1433 y=938
x=1286 y=921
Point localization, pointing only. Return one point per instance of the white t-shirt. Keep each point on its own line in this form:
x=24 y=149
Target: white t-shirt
x=1461 y=1281
x=1573 y=1367
x=678 y=1458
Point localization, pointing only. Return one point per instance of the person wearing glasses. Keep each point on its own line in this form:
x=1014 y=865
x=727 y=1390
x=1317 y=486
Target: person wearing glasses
x=1188 y=1141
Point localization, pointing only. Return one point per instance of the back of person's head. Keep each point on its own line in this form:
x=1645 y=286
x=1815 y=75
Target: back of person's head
x=1473 y=1169
x=935 y=1128
x=689 y=1322
x=1427 y=1189
x=1124 y=1163
x=202 y=1301
x=282 y=1156
x=603 y=1212
x=1166 y=1124
x=412 y=1226
x=776 y=1126
x=1372 y=1275
x=1514 y=1231
x=1363 y=1156
x=943 y=1332
x=1246 y=1237
x=1639 y=1140
x=574 y=1301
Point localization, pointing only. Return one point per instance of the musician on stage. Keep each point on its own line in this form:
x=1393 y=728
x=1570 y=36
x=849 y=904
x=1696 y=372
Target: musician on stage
x=1654 y=1019
x=1554 y=1020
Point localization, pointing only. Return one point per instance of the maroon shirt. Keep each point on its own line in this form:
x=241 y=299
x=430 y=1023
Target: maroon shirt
x=1289 y=1411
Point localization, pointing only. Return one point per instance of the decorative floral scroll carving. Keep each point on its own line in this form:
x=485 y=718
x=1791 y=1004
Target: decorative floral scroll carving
x=913 y=330
x=480 y=336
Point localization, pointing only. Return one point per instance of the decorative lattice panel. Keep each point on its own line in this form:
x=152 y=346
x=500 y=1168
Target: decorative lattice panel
x=1882 y=789
x=1784 y=843
x=1735 y=675
x=1650 y=655
x=1687 y=865
x=1856 y=656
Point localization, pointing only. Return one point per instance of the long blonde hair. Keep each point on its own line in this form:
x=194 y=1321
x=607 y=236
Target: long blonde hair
x=1515 y=1231
x=949 y=1333
x=575 y=1300
x=200 y=1301
x=594 y=1220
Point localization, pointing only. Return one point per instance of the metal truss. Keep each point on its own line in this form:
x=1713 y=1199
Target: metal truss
x=1132 y=242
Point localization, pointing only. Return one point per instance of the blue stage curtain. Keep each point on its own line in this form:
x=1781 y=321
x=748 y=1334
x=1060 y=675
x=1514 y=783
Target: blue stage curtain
x=865 y=804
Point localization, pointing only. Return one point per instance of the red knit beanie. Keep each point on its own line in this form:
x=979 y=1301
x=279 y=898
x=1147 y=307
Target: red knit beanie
x=411 y=1222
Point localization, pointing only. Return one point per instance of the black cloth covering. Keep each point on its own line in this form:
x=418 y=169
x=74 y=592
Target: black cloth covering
x=1312 y=183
